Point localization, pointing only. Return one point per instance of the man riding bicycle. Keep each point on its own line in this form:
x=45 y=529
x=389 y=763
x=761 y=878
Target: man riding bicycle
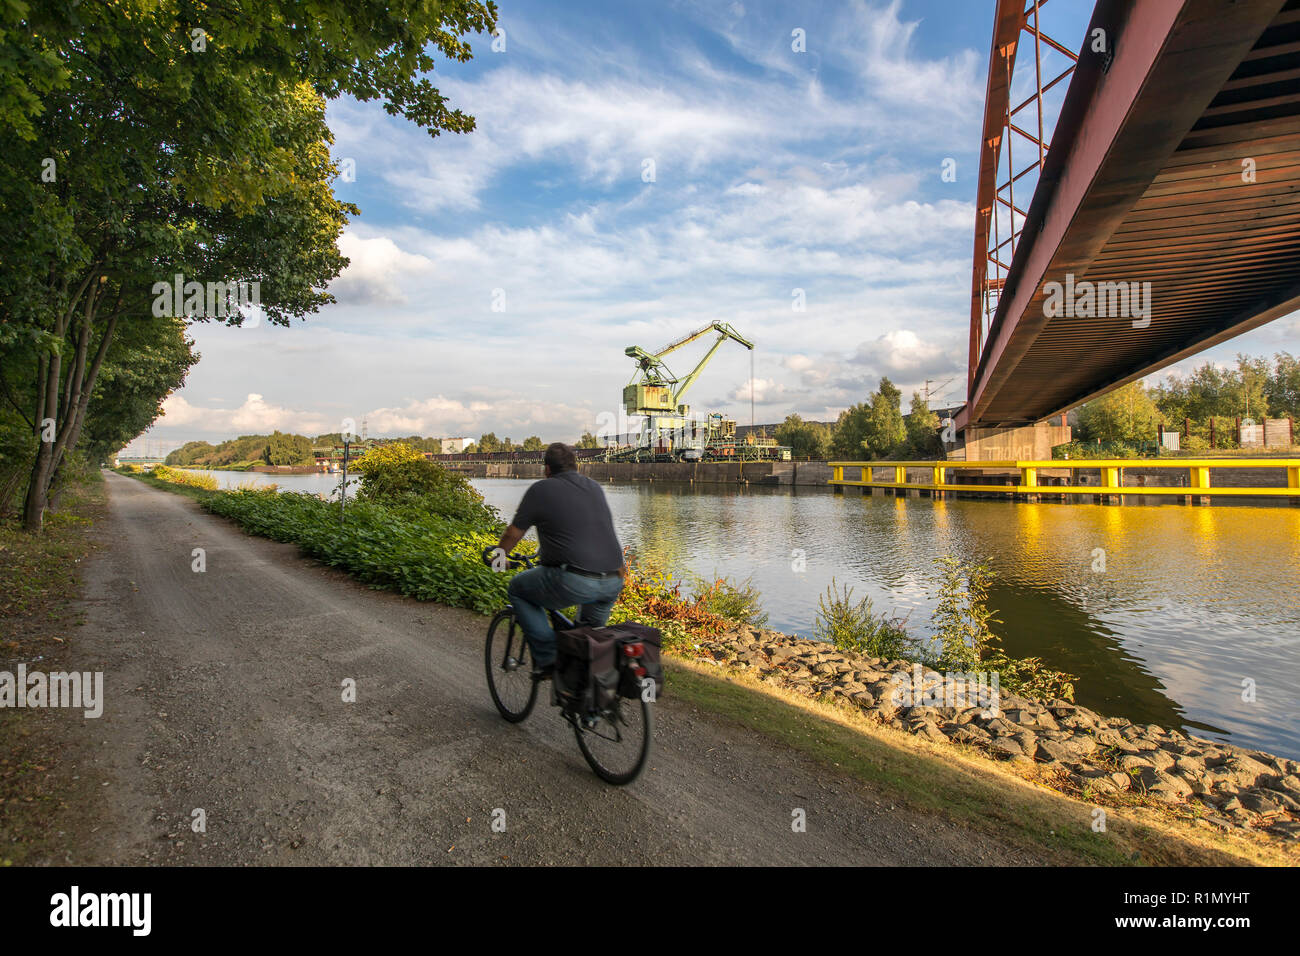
x=580 y=560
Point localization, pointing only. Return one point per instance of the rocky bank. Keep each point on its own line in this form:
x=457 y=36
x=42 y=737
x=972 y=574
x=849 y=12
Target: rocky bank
x=1068 y=746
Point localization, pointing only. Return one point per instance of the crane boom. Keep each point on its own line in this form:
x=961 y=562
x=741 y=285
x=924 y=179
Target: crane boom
x=724 y=332
x=722 y=327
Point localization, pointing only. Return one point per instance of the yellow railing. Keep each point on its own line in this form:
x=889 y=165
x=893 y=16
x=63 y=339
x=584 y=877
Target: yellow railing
x=1111 y=477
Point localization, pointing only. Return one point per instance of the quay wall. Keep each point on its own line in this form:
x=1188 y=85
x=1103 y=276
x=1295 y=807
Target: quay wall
x=710 y=472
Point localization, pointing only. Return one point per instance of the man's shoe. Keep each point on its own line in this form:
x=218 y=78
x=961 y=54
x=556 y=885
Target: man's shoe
x=544 y=672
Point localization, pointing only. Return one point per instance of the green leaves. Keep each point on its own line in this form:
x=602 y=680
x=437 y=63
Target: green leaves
x=856 y=627
x=963 y=625
x=806 y=439
x=398 y=475
x=403 y=548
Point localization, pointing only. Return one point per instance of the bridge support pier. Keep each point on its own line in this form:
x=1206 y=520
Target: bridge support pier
x=1021 y=443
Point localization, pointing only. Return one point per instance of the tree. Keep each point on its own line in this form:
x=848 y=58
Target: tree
x=922 y=427
x=588 y=440
x=885 y=432
x=806 y=439
x=1126 y=414
x=147 y=362
x=872 y=429
x=489 y=443
x=131 y=152
x=533 y=443
x=1247 y=388
x=282 y=449
x=848 y=441
x=189 y=453
x=1283 y=388
x=1207 y=390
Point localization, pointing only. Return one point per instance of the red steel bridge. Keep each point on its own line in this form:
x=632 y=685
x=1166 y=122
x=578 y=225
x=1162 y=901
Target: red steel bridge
x=1172 y=175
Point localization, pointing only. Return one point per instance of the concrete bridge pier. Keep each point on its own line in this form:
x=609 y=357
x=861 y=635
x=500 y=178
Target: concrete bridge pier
x=1013 y=443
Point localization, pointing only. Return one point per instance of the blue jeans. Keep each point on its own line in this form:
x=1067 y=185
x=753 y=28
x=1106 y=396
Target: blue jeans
x=531 y=592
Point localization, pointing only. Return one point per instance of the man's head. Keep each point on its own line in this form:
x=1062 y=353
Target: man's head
x=559 y=457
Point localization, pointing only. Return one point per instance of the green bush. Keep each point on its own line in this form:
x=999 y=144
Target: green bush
x=399 y=475
x=962 y=624
x=404 y=549
x=740 y=603
x=857 y=628
x=1092 y=449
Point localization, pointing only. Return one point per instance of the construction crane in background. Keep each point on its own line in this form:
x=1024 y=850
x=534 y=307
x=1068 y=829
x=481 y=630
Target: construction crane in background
x=656 y=393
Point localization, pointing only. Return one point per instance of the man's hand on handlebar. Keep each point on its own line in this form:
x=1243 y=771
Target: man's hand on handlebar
x=499 y=560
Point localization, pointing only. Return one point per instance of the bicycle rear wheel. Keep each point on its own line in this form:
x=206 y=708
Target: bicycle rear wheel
x=617 y=746
x=508 y=662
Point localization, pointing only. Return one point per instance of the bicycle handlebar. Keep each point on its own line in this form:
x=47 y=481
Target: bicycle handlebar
x=513 y=561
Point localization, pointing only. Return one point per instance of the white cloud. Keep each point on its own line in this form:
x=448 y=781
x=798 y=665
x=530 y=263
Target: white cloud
x=376 y=272
x=254 y=416
x=767 y=391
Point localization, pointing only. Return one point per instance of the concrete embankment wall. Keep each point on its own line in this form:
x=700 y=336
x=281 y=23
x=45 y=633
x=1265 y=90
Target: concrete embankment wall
x=709 y=472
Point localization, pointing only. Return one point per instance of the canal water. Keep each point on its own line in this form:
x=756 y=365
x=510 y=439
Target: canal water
x=1194 y=621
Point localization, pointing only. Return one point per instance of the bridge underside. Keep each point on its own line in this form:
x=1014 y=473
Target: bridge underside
x=1175 y=163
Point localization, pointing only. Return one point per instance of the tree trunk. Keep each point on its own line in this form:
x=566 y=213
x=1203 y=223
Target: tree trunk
x=77 y=409
x=49 y=453
x=43 y=468
x=36 y=501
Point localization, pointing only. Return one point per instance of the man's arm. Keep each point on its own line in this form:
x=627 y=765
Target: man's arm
x=511 y=538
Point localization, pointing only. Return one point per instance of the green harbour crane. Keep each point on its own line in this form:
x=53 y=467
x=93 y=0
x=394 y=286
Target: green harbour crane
x=656 y=393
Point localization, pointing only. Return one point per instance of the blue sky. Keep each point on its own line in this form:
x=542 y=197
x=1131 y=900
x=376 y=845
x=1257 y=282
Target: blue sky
x=773 y=170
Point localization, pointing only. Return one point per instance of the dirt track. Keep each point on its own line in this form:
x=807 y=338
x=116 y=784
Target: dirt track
x=223 y=692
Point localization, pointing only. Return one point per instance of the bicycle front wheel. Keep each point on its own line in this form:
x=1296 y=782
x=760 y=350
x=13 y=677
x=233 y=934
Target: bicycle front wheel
x=508 y=662
x=616 y=744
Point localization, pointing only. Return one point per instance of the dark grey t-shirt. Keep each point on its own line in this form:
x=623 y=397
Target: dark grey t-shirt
x=573 y=522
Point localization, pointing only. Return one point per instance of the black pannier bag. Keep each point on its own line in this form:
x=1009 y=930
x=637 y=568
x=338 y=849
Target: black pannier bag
x=585 y=667
x=593 y=664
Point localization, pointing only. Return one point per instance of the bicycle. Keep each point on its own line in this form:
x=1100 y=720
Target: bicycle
x=615 y=741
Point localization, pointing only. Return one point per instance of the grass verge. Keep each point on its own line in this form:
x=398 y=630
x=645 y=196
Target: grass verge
x=39 y=583
x=960 y=784
x=189 y=491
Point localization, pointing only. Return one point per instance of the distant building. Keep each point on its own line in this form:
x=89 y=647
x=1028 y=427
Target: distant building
x=454 y=446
